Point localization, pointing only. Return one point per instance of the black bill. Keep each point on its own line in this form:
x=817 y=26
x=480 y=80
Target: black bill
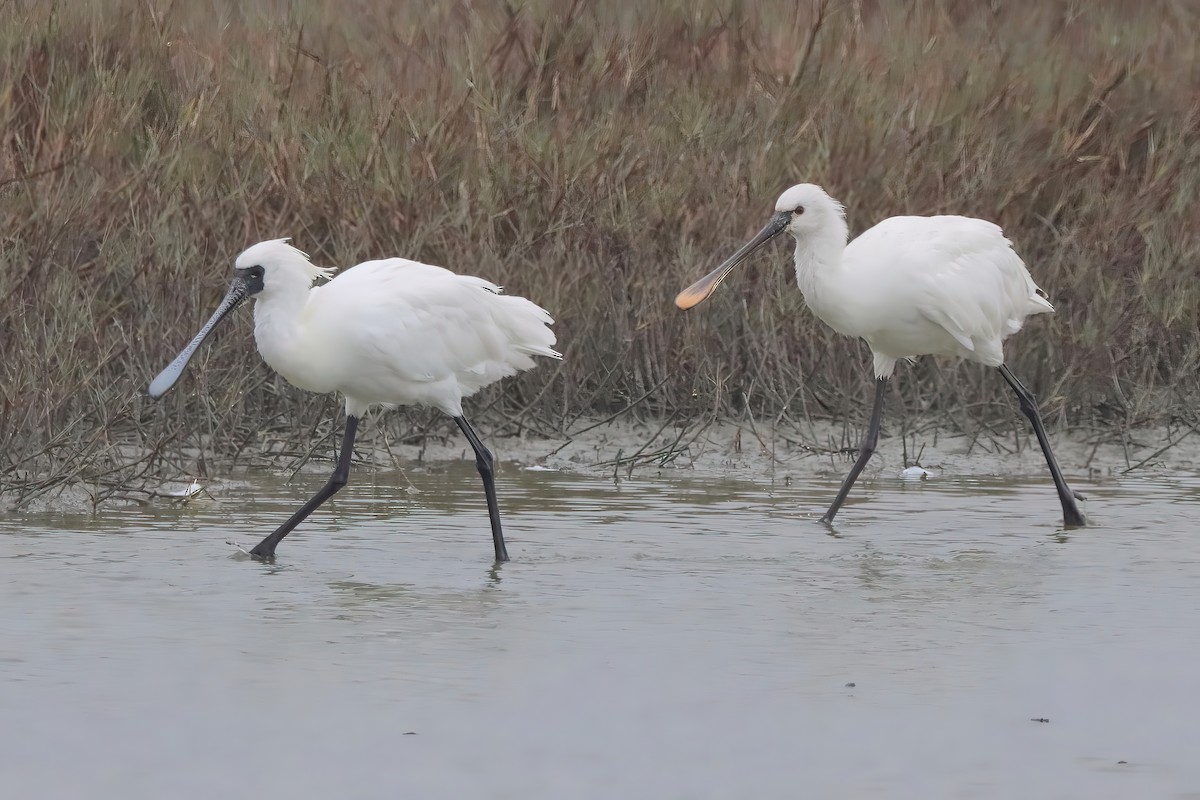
x=238 y=290
x=699 y=291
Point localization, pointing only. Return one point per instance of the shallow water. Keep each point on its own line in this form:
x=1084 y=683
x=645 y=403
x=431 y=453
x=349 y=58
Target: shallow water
x=655 y=638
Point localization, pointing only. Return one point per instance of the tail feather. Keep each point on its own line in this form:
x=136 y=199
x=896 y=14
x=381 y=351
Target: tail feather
x=527 y=326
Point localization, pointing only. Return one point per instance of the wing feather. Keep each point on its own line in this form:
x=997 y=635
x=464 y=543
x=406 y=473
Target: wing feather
x=960 y=274
x=415 y=332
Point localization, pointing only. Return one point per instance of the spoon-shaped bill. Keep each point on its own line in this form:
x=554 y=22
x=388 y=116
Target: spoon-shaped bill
x=168 y=377
x=699 y=291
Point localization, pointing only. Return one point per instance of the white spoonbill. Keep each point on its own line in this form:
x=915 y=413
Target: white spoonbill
x=910 y=286
x=389 y=333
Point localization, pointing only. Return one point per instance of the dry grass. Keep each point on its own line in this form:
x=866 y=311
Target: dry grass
x=596 y=161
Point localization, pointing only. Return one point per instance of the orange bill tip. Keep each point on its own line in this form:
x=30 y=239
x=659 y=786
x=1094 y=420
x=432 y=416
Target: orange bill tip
x=690 y=297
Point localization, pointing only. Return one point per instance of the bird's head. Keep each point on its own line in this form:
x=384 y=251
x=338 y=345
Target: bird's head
x=272 y=266
x=804 y=211
x=262 y=270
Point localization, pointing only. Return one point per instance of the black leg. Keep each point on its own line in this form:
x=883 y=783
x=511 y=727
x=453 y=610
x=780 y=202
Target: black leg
x=1072 y=516
x=487 y=471
x=341 y=473
x=865 y=450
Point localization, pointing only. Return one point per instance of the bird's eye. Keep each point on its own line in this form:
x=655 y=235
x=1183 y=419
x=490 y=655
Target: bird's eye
x=256 y=272
x=798 y=210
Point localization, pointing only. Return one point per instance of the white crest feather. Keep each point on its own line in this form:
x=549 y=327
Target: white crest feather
x=278 y=250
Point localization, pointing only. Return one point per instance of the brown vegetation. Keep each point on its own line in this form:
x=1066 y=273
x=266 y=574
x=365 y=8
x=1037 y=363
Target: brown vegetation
x=595 y=157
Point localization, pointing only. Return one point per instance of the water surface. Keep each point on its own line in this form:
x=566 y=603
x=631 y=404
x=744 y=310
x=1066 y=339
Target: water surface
x=655 y=638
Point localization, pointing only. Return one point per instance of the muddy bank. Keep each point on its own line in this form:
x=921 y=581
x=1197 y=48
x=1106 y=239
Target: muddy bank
x=727 y=450
x=765 y=453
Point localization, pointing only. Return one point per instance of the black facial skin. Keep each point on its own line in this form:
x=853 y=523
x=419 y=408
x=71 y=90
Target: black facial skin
x=252 y=278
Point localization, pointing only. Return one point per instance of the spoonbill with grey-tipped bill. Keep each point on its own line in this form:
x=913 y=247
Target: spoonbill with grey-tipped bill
x=385 y=333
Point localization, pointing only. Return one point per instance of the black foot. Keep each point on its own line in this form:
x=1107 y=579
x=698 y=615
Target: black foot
x=263 y=553
x=830 y=529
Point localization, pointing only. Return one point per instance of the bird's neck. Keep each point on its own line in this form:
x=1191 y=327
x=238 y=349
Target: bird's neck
x=818 y=268
x=277 y=328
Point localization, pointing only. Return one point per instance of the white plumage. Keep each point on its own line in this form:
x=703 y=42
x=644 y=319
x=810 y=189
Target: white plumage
x=910 y=286
x=389 y=332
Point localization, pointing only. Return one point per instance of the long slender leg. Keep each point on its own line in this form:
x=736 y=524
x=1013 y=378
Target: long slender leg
x=486 y=465
x=341 y=473
x=865 y=450
x=1072 y=516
